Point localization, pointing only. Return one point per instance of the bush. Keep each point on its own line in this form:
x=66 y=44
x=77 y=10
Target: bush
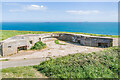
x=38 y=45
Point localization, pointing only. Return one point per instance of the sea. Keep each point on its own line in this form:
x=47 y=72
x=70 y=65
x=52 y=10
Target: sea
x=105 y=28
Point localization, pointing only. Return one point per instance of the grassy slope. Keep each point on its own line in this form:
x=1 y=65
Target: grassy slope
x=93 y=65
x=6 y=34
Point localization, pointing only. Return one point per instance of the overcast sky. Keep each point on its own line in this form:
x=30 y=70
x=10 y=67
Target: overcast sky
x=60 y=11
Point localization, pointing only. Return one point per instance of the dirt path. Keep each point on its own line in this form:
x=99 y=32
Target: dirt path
x=25 y=62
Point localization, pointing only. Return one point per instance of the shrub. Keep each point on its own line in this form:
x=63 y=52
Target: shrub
x=38 y=45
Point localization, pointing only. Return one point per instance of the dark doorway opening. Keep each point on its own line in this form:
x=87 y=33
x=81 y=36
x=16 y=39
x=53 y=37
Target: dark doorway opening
x=79 y=41
x=39 y=39
x=30 y=42
x=1 y=51
x=103 y=45
x=22 y=48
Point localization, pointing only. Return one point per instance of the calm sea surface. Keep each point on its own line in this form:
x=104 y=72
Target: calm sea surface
x=107 y=28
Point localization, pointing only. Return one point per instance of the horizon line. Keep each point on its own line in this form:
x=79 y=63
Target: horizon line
x=59 y=21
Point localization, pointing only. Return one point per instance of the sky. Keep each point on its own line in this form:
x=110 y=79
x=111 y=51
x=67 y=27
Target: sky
x=60 y=0
x=59 y=11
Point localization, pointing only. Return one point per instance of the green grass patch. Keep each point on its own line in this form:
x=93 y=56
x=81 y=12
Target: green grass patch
x=10 y=33
x=5 y=60
x=102 y=64
x=21 y=72
x=38 y=46
x=57 y=42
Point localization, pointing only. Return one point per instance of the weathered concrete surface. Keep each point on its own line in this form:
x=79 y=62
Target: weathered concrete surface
x=23 y=42
x=87 y=40
x=20 y=42
x=53 y=50
x=116 y=41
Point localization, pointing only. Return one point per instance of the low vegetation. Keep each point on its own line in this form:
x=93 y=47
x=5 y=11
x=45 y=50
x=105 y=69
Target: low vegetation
x=38 y=46
x=57 y=42
x=4 y=60
x=9 y=33
x=113 y=36
x=102 y=64
x=21 y=72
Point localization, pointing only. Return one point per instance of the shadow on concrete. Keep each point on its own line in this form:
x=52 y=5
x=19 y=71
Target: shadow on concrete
x=77 y=43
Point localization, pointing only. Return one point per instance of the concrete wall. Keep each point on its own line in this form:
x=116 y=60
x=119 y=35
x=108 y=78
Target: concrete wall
x=87 y=40
x=12 y=47
x=9 y=48
x=116 y=42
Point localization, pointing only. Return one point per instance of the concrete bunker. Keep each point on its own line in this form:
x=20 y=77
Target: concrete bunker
x=87 y=40
x=14 y=44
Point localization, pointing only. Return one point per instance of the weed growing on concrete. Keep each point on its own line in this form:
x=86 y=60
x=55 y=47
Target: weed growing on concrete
x=57 y=42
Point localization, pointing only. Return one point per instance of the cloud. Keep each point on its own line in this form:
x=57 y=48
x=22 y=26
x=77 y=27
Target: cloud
x=35 y=7
x=81 y=12
x=29 y=8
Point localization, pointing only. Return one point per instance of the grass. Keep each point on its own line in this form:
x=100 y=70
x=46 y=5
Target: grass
x=21 y=72
x=103 y=64
x=38 y=46
x=113 y=36
x=5 y=60
x=9 y=33
x=93 y=65
x=57 y=42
